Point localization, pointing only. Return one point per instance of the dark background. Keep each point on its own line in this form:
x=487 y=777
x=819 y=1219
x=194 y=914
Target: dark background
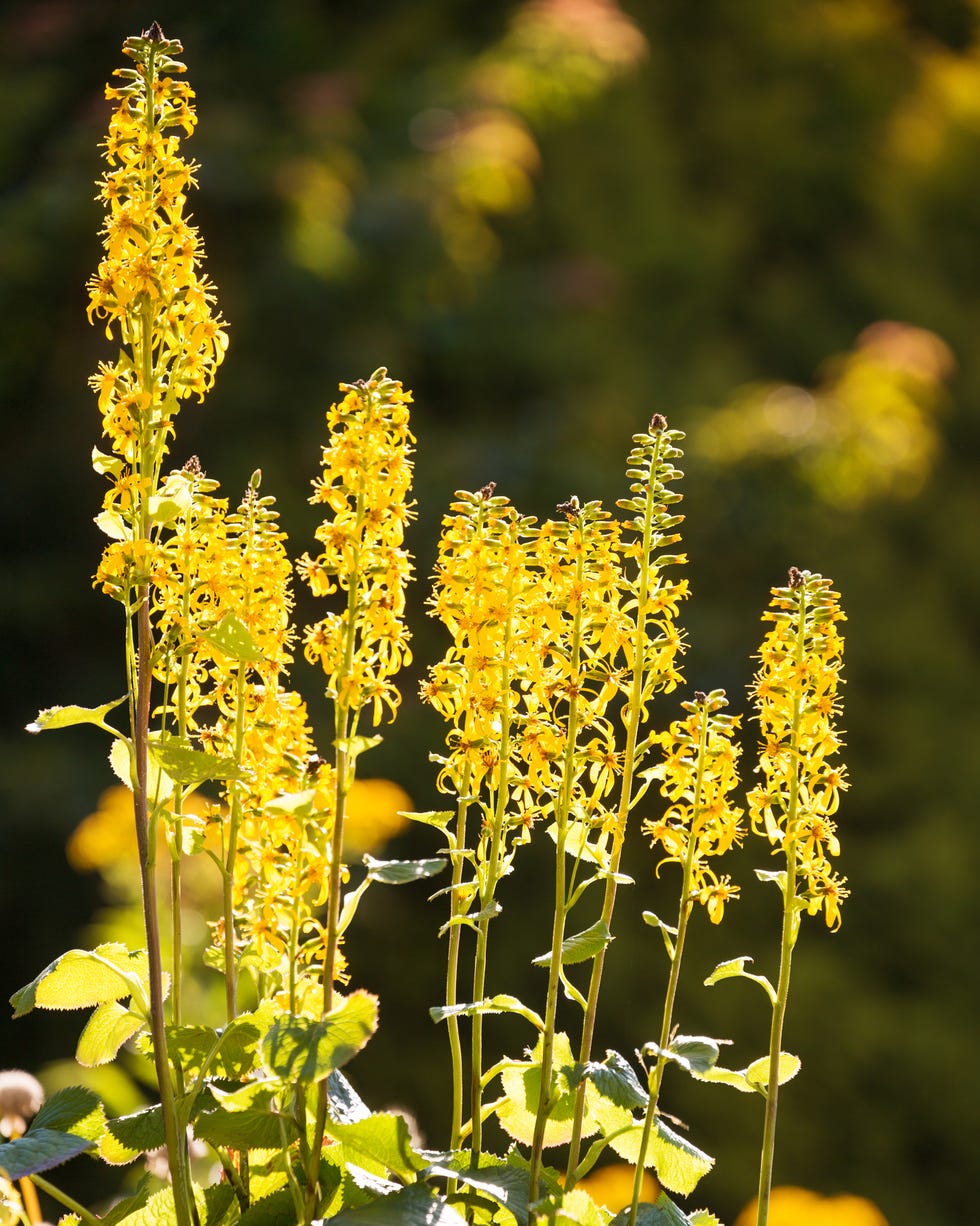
x=551 y=221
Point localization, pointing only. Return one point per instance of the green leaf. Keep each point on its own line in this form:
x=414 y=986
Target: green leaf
x=381 y=1138
x=300 y=1049
x=248 y=1129
x=232 y=638
x=522 y=1087
x=159 y=1208
x=615 y=1079
x=579 y=1209
x=129 y=1136
x=345 y=1105
x=400 y=872
x=65 y=717
x=105 y=1032
x=233 y=1051
x=129 y=1204
x=734 y=968
x=277 y=1209
x=577 y=843
x=777 y=878
x=75 y=1109
x=694 y=1053
x=439 y=818
x=40 y=1150
x=581 y=946
x=666 y=931
x=701 y=1217
x=107 y=465
x=491 y=1004
x=112 y=524
x=411 y=1206
x=507 y=1185
x=679 y=1164
x=663 y=1212
x=82 y=978
x=191 y=766
x=757 y=1074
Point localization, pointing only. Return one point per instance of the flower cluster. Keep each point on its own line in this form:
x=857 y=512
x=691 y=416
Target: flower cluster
x=795 y=693
x=698 y=773
x=365 y=482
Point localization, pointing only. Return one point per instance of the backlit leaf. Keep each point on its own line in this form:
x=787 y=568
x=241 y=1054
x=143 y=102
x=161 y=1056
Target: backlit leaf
x=105 y=1032
x=65 y=717
x=301 y=1049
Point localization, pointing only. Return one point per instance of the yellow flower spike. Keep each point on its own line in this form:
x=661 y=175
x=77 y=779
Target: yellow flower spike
x=796 y=697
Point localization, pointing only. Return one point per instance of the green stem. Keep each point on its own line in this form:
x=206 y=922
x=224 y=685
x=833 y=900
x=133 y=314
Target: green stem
x=457 y=908
x=635 y=708
x=562 y=809
x=489 y=886
x=64 y=1199
x=683 y=916
x=790 y=931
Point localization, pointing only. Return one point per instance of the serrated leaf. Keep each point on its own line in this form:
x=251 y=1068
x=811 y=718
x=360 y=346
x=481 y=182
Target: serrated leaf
x=248 y=1129
x=727 y=1077
x=401 y=872
x=577 y=843
x=232 y=638
x=40 y=1150
x=105 y=1032
x=233 y=1051
x=381 y=1138
x=581 y=946
x=679 y=1164
x=663 y=1212
x=159 y=785
x=112 y=524
x=701 y=1217
x=522 y=1087
x=276 y=1209
x=66 y=717
x=411 y=1206
x=300 y=1049
x=129 y=1136
x=615 y=1079
x=159 y=1208
x=507 y=1185
x=82 y=978
x=75 y=1109
x=757 y=1074
x=734 y=968
x=107 y=465
x=190 y=766
x=128 y=1205
x=579 y=1209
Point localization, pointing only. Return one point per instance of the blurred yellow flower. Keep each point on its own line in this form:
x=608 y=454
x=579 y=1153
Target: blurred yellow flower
x=374 y=815
x=612 y=1186
x=790 y=1206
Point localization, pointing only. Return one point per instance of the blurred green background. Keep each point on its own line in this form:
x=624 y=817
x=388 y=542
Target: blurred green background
x=551 y=218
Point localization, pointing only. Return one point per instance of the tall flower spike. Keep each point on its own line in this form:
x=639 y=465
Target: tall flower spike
x=148 y=287
x=365 y=483
x=796 y=696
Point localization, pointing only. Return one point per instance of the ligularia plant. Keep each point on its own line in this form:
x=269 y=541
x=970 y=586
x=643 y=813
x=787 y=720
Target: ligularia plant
x=563 y=647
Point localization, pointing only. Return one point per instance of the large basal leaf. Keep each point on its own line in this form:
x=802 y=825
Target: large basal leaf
x=411 y=1206
x=522 y=1087
x=507 y=1185
x=231 y=1052
x=40 y=1150
x=82 y=978
x=579 y=1209
x=65 y=717
x=75 y=1109
x=306 y=1050
x=277 y=1209
x=679 y=1165
x=382 y=1138
x=663 y=1212
x=105 y=1032
x=581 y=946
x=615 y=1079
x=243 y=1130
x=129 y=1136
x=212 y=1204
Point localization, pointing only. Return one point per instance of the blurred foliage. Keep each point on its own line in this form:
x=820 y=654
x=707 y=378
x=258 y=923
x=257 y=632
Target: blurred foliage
x=551 y=218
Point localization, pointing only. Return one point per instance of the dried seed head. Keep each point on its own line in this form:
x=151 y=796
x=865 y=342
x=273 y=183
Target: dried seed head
x=21 y=1098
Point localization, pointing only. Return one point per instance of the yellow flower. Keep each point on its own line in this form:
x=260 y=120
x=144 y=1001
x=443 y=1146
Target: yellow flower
x=796 y=697
x=698 y=773
x=612 y=1186
x=374 y=814
x=365 y=483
